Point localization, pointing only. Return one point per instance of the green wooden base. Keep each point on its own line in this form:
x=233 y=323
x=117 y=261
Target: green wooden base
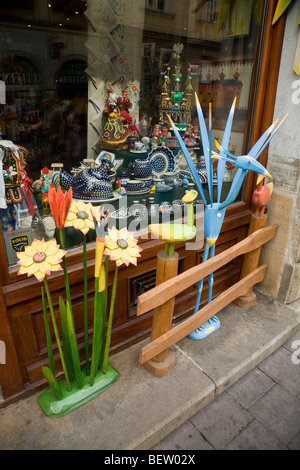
x=55 y=408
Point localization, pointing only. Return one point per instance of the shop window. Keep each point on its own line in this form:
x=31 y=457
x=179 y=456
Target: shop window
x=88 y=87
x=160 y=5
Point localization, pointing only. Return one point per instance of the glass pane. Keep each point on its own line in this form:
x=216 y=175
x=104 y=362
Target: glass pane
x=85 y=90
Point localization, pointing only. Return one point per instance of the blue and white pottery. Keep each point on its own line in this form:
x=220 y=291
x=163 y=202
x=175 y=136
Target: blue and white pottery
x=169 y=177
x=162 y=160
x=147 y=181
x=123 y=174
x=159 y=182
x=201 y=169
x=135 y=185
x=93 y=184
x=142 y=168
x=66 y=180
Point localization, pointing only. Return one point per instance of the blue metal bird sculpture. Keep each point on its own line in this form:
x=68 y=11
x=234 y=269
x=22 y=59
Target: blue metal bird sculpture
x=214 y=212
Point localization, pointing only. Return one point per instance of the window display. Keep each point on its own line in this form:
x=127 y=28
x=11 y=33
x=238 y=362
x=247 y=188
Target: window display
x=87 y=90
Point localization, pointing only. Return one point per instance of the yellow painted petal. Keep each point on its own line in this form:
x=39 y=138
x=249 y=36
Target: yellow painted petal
x=123 y=233
x=39 y=275
x=81 y=206
x=53 y=259
x=29 y=251
x=113 y=234
x=89 y=223
x=131 y=241
x=44 y=266
x=23 y=270
x=52 y=250
x=27 y=261
x=78 y=224
x=126 y=257
x=34 y=268
x=112 y=245
x=116 y=254
x=56 y=267
x=133 y=251
x=71 y=216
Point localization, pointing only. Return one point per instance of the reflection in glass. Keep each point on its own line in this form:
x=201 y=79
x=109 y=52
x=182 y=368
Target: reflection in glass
x=82 y=82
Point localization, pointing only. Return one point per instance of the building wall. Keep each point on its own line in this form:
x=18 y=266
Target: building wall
x=283 y=253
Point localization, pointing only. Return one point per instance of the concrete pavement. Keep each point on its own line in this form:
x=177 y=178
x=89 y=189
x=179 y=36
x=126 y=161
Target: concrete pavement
x=222 y=393
x=261 y=411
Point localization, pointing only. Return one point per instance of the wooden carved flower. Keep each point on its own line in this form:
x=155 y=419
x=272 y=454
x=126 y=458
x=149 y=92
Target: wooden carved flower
x=40 y=258
x=80 y=216
x=121 y=247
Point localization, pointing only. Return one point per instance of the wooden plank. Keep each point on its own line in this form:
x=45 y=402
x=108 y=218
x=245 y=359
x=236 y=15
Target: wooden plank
x=194 y=321
x=160 y=294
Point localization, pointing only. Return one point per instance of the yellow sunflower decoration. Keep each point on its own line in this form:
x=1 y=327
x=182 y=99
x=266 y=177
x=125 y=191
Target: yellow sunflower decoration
x=121 y=247
x=40 y=258
x=80 y=216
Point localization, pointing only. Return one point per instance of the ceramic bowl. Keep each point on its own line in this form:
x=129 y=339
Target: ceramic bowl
x=147 y=181
x=159 y=182
x=169 y=177
x=135 y=185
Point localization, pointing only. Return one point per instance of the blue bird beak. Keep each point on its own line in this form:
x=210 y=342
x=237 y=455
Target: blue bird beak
x=257 y=167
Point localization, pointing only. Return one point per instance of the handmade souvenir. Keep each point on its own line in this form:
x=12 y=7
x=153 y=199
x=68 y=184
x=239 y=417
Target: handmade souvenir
x=214 y=212
x=79 y=385
x=161 y=160
x=142 y=168
x=119 y=125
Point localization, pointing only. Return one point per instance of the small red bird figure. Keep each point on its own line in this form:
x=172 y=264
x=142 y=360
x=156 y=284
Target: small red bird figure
x=261 y=195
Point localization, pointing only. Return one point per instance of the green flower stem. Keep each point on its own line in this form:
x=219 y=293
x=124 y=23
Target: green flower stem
x=96 y=335
x=48 y=337
x=85 y=311
x=110 y=317
x=56 y=334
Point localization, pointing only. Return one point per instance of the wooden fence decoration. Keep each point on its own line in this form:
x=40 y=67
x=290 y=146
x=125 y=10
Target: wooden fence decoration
x=164 y=292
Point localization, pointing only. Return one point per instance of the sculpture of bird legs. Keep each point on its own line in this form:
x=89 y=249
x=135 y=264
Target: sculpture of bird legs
x=215 y=211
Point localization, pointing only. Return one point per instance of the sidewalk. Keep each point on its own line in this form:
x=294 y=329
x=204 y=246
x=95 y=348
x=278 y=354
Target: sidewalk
x=261 y=411
x=222 y=393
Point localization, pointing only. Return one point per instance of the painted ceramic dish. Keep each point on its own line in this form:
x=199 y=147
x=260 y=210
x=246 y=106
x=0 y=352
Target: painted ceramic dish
x=137 y=193
x=161 y=160
x=122 y=213
x=180 y=161
x=163 y=189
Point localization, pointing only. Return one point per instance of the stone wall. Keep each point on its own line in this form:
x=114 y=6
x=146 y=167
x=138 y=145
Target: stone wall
x=283 y=253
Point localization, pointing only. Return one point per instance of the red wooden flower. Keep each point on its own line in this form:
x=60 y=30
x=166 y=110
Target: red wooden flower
x=60 y=204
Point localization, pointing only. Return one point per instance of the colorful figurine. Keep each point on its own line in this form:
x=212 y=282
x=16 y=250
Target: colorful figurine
x=177 y=233
x=261 y=195
x=214 y=212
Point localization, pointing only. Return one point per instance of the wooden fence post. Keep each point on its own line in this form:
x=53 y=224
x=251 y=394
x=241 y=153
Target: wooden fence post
x=251 y=260
x=167 y=268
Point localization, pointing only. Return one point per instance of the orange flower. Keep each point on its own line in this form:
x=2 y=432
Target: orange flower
x=60 y=204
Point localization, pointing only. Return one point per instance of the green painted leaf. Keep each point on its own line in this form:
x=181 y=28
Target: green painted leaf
x=74 y=347
x=98 y=331
x=66 y=339
x=50 y=377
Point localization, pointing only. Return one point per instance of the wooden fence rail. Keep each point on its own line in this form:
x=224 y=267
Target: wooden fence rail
x=172 y=287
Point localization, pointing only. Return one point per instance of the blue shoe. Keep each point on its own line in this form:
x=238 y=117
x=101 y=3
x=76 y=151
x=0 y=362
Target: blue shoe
x=209 y=327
